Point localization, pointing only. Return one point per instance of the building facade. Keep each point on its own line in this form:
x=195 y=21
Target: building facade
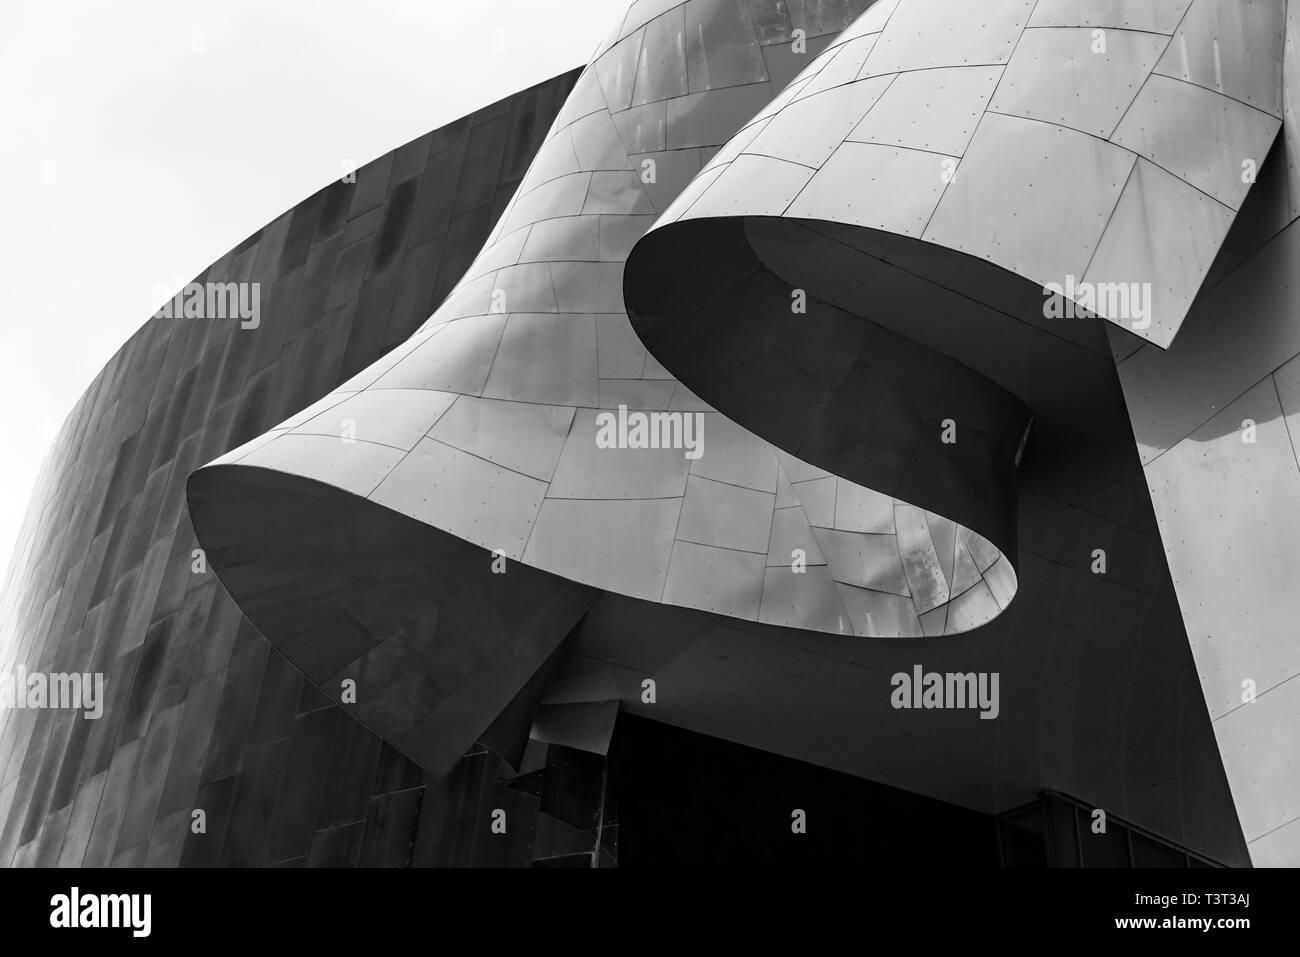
x=755 y=380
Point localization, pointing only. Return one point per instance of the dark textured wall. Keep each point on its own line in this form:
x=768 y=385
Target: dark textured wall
x=201 y=712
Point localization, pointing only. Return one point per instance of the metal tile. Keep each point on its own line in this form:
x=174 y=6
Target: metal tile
x=983 y=551
x=716 y=580
x=771 y=20
x=1211 y=363
x=588 y=287
x=356 y=467
x=725 y=516
x=846 y=63
x=935 y=621
x=596 y=143
x=521 y=436
x=672 y=170
x=457 y=359
x=899 y=196
x=925 y=578
x=943 y=532
x=867 y=561
x=809 y=600
x=1012 y=171
x=1199 y=136
x=661 y=69
x=1233 y=48
x=618 y=234
x=809 y=130
x=464 y=495
x=589 y=540
x=734 y=455
x=710 y=118
x=790 y=532
x=818 y=500
x=1213 y=495
x=972 y=608
x=1056 y=76
x=859 y=509
x=620 y=353
x=1257 y=739
x=643 y=128
x=874 y=614
x=1164 y=234
x=616 y=193
x=922 y=34
x=575 y=238
x=757 y=185
x=616 y=71
x=587 y=471
x=546 y=359
x=396 y=417
x=562 y=196
x=720 y=45
x=523 y=288
x=935 y=110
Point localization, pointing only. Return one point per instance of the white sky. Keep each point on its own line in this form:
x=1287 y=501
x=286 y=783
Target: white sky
x=141 y=139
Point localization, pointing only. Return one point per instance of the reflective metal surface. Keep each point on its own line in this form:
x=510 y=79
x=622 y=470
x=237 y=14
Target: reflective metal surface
x=1132 y=179
x=199 y=710
x=538 y=326
x=1092 y=87
x=360 y=534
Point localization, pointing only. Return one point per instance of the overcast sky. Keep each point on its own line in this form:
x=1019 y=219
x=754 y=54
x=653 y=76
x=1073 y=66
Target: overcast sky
x=141 y=139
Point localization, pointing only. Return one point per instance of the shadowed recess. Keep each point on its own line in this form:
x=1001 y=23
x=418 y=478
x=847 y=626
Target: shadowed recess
x=438 y=645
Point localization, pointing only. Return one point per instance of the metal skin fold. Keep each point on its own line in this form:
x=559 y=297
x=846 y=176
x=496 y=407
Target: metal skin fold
x=448 y=582
x=1099 y=152
x=488 y=423
x=987 y=192
x=868 y=272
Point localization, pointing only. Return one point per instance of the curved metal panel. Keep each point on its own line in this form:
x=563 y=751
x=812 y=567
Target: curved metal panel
x=922 y=34
x=1203 y=138
x=531 y=446
x=1059 y=76
x=1061 y=111
x=901 y=198
x=935 y=110
x=1129 y=255
x=1014 y=171
x=1195 y=54
x=396 y=417
x=817 y=124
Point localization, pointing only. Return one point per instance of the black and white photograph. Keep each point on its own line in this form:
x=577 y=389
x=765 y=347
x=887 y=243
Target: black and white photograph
x=778 y=437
